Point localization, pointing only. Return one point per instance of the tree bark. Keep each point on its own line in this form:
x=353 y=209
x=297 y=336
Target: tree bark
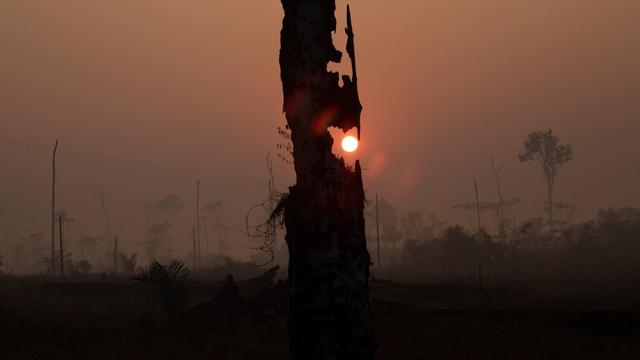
x=328 y=259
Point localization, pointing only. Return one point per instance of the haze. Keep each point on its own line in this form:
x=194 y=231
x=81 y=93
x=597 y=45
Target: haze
x=145 y=97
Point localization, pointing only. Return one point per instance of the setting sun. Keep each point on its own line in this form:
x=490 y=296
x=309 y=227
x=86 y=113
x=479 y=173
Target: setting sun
x=349 y=143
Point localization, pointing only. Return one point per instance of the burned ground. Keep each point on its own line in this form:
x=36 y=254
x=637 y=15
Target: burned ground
x=107 y=319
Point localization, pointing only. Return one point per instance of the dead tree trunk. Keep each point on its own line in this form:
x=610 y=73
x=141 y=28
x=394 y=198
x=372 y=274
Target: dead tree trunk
x=478 y=210
x=53 y=212
x=61 y=247
x=501 y=226
x=328 y=259
x=106 y=219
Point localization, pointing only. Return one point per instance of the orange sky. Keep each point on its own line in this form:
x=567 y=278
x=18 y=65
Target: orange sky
x=170 y=91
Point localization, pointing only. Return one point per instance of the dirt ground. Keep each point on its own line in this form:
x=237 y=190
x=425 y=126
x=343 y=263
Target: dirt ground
x=123 y=320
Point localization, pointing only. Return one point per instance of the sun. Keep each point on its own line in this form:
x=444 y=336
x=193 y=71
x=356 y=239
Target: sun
x=349 y=143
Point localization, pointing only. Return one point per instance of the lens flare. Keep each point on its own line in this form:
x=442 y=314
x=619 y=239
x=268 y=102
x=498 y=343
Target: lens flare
x=349 y=143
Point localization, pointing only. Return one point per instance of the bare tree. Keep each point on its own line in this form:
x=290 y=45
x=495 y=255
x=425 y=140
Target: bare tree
x=328 y=260
x=86 y=241
x=53 y=210
x=502 y=202
x=545 y=148
x=158 y=235
x=103 y=207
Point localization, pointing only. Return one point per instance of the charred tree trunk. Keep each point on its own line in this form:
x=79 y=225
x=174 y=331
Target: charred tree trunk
x=328 y=259
x=53 y=212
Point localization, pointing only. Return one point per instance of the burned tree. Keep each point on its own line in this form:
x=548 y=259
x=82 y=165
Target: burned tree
x=323 y=213
x=545 y=148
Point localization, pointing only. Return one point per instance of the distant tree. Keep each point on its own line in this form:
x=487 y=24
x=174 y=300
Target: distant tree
x=502 y=203
x=157 y=243
x=545 y=148
x=86 y=241
x=435 y=225
x=82 y=267
x=389 y=232
x=128 y=263
x=36 y=239
x=473 y=209
x=564 y=212
x=37 y=245
x=157 y=237
x=105 y=215
x=498 y=209
x=370 y=221
x=530 y=236
x=19 y=253
x=165 y=207
x=413 y=224
x=461 y=249
x=213 y=211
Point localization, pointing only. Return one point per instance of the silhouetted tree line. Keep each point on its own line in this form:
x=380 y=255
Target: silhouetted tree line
x=601 y=253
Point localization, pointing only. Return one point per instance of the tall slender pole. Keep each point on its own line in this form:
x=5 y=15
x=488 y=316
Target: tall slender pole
x=378 y=234
x=198 y=218
x=53 y=211
x=61 y=248
x=475 y=186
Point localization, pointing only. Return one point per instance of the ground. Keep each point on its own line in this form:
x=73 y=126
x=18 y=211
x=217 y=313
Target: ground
x=123 y=320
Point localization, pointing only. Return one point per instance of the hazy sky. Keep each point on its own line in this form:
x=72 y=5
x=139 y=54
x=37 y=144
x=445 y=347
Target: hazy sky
x=147 y=96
